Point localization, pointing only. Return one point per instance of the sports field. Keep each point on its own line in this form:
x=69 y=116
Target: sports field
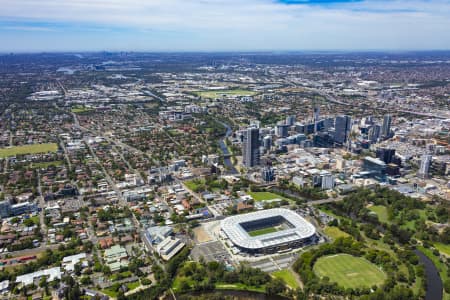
x=221 y=93
x=349 y=271
x=262 y=231
x=28 y=149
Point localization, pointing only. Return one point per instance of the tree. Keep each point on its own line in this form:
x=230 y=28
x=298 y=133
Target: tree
x=43 y=282
x=28 y=222
x=106 y=270
x=77 y=269
x=275 y=286
x=447 y=286
x=184 y=286
x=85 y=280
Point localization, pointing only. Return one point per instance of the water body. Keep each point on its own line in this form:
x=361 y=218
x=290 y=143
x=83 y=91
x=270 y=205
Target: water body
x=239 y=295
x=434 y=282
x=226 y=153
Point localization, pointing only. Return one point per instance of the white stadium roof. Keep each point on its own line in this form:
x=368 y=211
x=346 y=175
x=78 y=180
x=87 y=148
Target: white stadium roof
x=302 y=229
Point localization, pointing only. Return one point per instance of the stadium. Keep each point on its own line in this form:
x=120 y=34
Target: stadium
x=268 y=231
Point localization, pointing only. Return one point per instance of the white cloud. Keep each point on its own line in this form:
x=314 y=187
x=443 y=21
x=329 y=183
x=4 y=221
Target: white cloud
x=262 y=23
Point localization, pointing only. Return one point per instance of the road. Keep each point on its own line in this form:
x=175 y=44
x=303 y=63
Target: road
x=107 y=177
x=42 y=212
x=192 y=193
x=332 y=99
x=34 y=251
x=313 y=202
x=330 y=200
x=2 y=116
x=66 y=154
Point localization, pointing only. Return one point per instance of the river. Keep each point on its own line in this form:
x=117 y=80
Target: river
x=226 y=154
x=434 y=282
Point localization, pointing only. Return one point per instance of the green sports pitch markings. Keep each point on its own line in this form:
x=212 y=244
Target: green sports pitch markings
x=28 y=149
x=349 y=271
x=262 y=231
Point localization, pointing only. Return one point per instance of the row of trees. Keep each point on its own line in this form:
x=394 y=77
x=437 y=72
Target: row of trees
x=204 y=276
x=314 y=285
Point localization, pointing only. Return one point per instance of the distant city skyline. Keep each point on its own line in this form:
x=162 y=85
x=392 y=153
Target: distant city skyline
x=219 y=25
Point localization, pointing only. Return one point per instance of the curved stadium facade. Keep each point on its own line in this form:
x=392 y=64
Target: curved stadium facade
x=268 y=231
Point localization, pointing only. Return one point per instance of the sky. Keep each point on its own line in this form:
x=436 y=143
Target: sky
x=223 y=25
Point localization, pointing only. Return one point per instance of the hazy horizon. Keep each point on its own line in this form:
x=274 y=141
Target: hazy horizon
x=223 y=26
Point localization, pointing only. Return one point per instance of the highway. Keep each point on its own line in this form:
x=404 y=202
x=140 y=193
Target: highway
x=332 y=99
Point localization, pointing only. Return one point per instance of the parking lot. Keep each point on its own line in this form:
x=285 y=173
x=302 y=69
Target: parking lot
x=275 y=263
x=211 y=251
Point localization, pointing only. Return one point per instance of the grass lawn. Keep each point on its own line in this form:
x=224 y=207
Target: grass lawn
x=220 y=93
x=349 y=271
x=35 y=220
x=240 y=287
x=133 y=285
x=443 y=248
x=329 y=212
x=176 y=284
x=262 y=231
x=80 y=109
x=260 y=196
x=410 y=224
x=193 y=184
x=110 y=293
x=381 y=212
x=28 y=149
x=219 y=286
x=335 y=233
x=288 y=277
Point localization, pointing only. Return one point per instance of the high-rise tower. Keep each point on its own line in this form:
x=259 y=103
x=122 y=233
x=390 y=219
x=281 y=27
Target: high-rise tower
x=250 y=151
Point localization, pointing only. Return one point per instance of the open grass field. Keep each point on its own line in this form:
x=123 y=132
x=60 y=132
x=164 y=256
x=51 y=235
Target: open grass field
x=28 y=149
x=220 y=93
x=133 y=285
x=110 y=293
x=193 y=184
x=80 y=109
x=262 y=231
x=176 y=285
x=410 y=224
x=288 y=277
x=381 y=212
x=349 y=271
x=443 y=248
x=240 y=287
x=260 y=196
x=335 y=233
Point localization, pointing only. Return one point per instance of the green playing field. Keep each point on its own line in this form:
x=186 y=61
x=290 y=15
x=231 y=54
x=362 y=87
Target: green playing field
x=349 y=271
